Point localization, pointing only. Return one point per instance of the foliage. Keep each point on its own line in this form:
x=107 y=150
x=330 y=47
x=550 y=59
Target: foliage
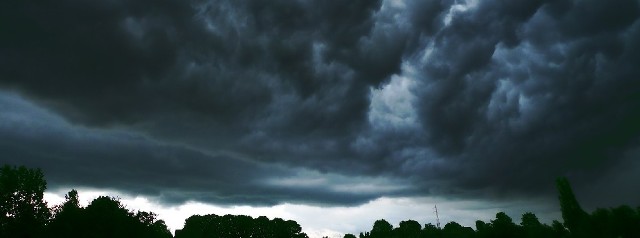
x=239 y=226
x=23 y=212
x=616 y=222
x=575 y=219
x=103 y=217
x=381 y=228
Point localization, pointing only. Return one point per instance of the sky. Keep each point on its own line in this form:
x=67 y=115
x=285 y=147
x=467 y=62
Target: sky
x=331 y=113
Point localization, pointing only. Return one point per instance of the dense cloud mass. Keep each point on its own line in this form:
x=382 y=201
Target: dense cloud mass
x=329 y=102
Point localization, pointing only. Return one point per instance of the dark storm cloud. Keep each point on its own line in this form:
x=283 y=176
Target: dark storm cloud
x=517 y=100
x=462 y=97
x=263 y=81
x=213 y=68
x=221 y=51
x=73 y=156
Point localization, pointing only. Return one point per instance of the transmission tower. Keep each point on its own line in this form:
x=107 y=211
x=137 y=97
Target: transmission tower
x=437 y=217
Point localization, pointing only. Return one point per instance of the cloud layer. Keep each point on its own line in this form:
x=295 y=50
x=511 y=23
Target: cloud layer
x=323 y=103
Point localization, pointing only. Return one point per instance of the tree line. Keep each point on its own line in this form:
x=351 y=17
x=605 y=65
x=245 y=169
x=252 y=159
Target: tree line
x=239 y=226
x=25 y=214
x=618 y=222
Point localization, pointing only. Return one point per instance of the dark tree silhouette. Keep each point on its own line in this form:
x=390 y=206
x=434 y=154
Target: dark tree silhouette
x=619 y=222
x=559 y=230
x=575 y=219
x=104 y=217
x=453 y=229
x=503 y=226
x=381 y=229
x=532 y=228
x=66 y=217
x=152 y=226
x=231 y=226
x=483 y=230
x=430 y=230
x=23 y=212
x=603 y=221
x=107 y=217
x=408 y=229
x=625 y=221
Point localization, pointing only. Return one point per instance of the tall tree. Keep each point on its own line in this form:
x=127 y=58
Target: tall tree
x=503 y=226
x=559 y=230
x=625 y=221
x=409 y=229
x=23 y=211
x=483 y=230
x=532 y=227
x=66 y=217
x=107 y=217
x=381 y=228
x=575 y=219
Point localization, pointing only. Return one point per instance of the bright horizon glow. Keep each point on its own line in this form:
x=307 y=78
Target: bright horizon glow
x=331 y=221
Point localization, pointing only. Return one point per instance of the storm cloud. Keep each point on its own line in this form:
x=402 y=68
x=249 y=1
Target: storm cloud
x=255 y=102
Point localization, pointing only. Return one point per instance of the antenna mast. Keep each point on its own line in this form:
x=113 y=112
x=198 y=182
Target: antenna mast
x=437 y=217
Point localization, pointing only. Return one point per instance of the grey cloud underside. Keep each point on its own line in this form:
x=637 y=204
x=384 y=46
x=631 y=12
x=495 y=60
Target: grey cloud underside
x=228 y=101
x=113 y=159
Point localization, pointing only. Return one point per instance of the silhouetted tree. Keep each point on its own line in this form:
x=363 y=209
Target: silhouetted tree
x=262 y=227
x=483 y=230
x=532 y=227
x=200 y=226
x=559 y=230
x=626 y=222
x=622 y=221
x=151 y=226
x=408 y=229
x=503 y=226
x=603 y=222
x=619 y=222
x=66 y=217
x=231 y=226
x=575 y=219
x=103 y=217
x=453 y=229
x=23 y=212
x=381 y=229
x=107 y=217
x=430 y=230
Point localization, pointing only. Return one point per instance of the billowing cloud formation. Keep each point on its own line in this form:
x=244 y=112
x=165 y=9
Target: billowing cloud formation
x=115 y=159
x=259 y=102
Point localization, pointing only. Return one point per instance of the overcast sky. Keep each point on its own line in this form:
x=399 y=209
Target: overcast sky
x=296 y=105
